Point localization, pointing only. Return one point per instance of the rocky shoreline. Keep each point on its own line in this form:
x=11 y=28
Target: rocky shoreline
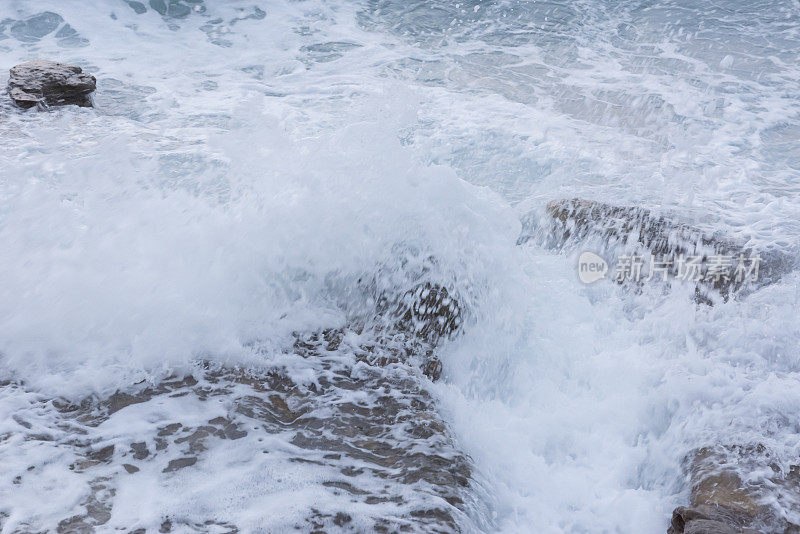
x=729 y=491
x=368 y=417
x=365 y=428
x=366 y=425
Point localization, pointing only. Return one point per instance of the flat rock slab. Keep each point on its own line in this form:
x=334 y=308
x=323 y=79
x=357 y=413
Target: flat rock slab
x=50 y=83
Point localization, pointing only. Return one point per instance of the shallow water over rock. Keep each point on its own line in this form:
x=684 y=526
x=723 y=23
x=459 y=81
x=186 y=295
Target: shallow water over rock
x=368 y=437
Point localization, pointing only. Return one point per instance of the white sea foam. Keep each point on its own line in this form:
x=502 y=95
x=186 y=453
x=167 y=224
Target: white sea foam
x=239 y=171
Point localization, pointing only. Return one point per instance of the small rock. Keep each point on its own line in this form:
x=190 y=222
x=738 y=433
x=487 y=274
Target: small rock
x=140 y=451
x=131 y=469
x=103 y=454
x=45 y=82
x=180 y=463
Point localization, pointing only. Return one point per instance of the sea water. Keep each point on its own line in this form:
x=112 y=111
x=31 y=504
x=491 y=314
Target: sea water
x=246 y=162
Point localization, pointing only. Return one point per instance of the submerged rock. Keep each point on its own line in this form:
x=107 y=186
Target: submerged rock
x=50 y=83
x=35 y=27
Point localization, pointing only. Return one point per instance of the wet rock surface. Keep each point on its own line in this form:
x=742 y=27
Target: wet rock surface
x=572 y=223
x=345 y=422
x=378 y=450
x=734 y=488
x=50 y=83
x=738 y=489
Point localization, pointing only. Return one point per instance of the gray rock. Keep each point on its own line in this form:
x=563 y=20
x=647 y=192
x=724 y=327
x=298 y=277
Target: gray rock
x=45 y=82
x=180 y=463
x=131 y=469
x=571 y=223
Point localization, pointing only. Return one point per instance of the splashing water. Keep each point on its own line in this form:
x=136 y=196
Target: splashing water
x=247 y=166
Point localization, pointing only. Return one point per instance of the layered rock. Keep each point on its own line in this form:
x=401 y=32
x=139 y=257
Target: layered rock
x=48 y=83
x=363 y=435
x=572 y=223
